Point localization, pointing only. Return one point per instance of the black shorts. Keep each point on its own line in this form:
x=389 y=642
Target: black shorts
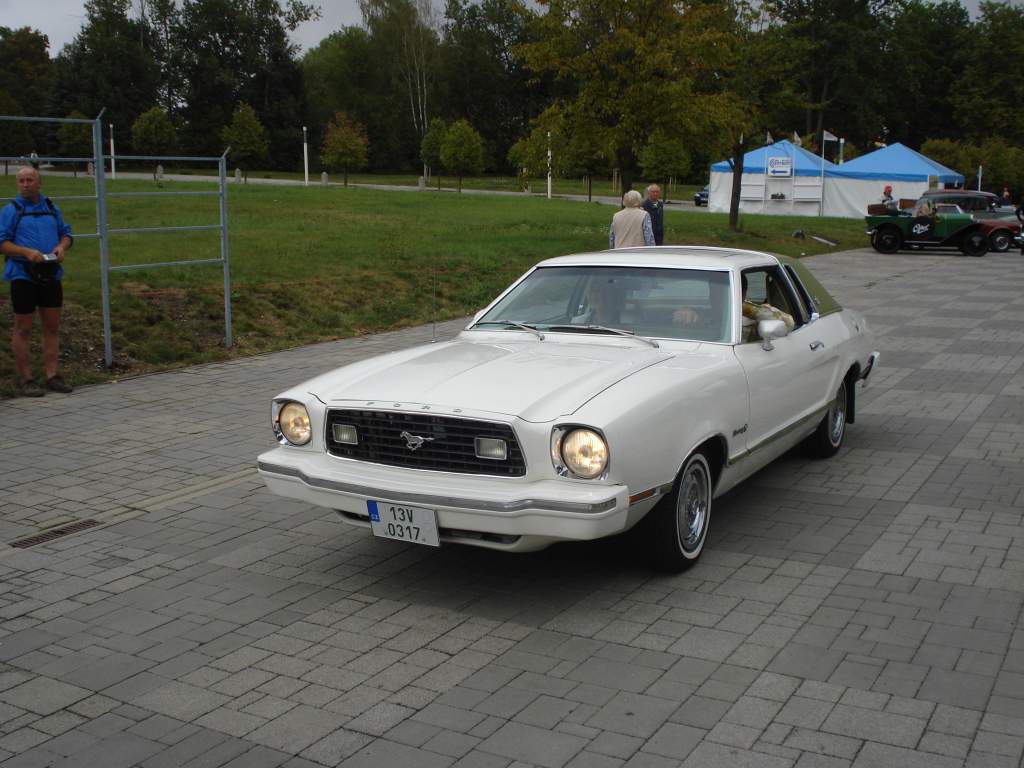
x=26 y=296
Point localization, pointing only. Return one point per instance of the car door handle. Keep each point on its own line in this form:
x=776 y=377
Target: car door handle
x=816 y=345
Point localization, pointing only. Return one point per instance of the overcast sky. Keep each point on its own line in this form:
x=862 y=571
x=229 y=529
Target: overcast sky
x=60 y=20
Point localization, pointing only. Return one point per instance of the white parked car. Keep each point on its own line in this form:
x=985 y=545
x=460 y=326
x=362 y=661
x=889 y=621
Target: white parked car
x=599 y=391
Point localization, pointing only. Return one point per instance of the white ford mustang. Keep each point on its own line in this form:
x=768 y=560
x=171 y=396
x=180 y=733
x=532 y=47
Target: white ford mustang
x=598 y=391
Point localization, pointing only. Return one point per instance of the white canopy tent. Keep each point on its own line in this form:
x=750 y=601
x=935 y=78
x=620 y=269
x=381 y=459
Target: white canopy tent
x=780 y=178
x=853 y=186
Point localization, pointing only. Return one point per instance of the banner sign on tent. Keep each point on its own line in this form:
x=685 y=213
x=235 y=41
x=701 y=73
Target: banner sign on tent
x=780 y=166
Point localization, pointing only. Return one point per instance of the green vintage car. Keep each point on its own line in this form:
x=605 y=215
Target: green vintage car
x=942 y=226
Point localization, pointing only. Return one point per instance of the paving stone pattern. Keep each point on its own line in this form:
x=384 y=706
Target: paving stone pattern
x=863 y=611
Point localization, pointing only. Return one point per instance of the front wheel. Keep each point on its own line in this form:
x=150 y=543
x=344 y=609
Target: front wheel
x=974 y=244
x=828 y=437
x=887 y=240
x=679 y=522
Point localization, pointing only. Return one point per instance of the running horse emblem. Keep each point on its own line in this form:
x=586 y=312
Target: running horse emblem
x=412 y=442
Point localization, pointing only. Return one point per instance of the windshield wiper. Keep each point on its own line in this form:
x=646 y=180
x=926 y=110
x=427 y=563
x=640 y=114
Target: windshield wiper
x=515 y=324
x=605 y=329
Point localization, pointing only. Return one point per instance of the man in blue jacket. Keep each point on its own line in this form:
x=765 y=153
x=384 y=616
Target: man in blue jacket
x=33 y=240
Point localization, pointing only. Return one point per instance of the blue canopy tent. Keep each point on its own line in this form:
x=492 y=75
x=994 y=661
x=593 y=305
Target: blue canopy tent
x=780 y=178
x=851 y=187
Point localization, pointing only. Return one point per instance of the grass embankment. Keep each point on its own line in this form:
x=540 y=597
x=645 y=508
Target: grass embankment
x=317 y=264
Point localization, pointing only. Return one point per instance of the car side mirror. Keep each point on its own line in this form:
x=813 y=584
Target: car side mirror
x=770 y=329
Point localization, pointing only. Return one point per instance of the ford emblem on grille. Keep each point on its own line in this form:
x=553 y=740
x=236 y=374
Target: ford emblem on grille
x=412 y=442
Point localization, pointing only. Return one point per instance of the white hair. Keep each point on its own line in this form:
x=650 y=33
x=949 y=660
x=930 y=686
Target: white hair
x=632 y=199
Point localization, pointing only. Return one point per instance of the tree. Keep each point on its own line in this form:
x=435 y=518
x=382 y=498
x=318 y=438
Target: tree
x=462 y=152
x=927 y=48
x=633 y=68
x=664 y=156
x=430 y=146
x=837 y=46
x=107 y=66
x=482 y=77
x=231 y=51
x=26 y=74
x=153 y=133
x=989 y=94
x=246 y=137
x=407 y=28
x=75 y=139
x=345 y=145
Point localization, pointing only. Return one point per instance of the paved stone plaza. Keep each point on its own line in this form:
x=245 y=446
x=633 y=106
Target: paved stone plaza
x=864 y=611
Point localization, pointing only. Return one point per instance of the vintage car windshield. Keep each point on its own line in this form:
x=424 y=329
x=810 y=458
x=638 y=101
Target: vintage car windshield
x=663 y=303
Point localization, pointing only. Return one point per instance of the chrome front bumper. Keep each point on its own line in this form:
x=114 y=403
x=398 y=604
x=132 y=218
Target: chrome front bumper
x=533 y=513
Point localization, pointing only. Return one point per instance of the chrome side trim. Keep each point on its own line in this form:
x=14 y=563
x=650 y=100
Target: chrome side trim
x=439 y=501
x=780 y=434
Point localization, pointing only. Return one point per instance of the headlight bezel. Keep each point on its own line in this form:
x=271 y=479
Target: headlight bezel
x=562 y=466
x=275 y=419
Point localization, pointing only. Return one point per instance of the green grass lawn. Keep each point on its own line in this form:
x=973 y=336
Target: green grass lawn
x=316 y=264
x=601 y=186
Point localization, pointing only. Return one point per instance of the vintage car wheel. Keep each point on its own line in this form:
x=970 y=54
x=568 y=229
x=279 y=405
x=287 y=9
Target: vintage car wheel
x=828 y=437
x=1000 y=241
x=974 y=244
x=887 y=240
x=679 y=522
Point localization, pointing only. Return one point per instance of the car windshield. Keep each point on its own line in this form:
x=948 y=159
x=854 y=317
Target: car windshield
x=663 y=303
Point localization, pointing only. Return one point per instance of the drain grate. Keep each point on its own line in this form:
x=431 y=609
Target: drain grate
x=54 y=533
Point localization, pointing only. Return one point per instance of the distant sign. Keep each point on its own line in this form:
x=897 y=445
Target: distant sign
x=780 y=166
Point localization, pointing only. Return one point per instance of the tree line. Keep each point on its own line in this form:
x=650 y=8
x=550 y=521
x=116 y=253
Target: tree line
x=653 y=88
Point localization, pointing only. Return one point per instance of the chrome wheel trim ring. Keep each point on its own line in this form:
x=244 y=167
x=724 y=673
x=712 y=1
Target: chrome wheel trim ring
x=692 y=506
x=837 y=417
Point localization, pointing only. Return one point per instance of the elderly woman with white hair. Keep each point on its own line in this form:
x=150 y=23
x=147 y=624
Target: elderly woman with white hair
x=632 y=225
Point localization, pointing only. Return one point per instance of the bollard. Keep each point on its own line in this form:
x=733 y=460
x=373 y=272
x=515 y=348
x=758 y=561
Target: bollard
x=421 y=183
x=238 y=175
x=90 y=169
x=159 y=172
x=323 y=179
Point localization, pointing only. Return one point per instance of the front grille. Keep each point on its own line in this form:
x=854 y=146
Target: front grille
x=451 y=450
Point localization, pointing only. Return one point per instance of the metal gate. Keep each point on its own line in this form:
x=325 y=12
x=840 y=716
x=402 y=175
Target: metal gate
x=103 y=231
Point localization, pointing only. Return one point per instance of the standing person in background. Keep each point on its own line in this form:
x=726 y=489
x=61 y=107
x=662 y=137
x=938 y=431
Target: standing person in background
x=632 y=225
x=656 y=210
x=1005 y=197
x=34 y=239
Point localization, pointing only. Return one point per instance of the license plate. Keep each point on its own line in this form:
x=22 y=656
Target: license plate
x=403 y=523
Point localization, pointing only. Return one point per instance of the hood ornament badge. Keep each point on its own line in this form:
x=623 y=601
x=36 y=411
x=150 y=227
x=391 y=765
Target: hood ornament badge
x=412 y=442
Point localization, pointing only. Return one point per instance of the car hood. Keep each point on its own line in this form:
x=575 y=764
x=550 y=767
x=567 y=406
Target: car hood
x=534 y=380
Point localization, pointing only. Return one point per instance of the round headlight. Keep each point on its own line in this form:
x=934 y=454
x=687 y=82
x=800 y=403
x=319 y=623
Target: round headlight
x=585 y=453
x=293 y=421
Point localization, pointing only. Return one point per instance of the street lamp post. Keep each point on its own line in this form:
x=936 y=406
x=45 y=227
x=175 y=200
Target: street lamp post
x=305 y=154
x=549 y=165
x=113 y=161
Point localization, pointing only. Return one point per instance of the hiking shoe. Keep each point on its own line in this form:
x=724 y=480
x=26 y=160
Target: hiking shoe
x=57 y=384
x=30 y=389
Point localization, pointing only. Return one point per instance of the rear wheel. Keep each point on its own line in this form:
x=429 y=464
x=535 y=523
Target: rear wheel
x=679 y=522
x=828 y=438
x=887 y=240
x=1000 y=241
x=974 y=244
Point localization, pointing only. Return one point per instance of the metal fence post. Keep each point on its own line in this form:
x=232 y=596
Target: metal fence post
x=223 y=168
x=101 y=231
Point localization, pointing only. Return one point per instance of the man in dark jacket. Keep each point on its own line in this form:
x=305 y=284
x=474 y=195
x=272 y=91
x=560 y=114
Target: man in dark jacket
x=656 y=209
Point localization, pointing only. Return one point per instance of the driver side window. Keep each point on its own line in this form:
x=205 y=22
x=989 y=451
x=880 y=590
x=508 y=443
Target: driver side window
x=768 y=288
